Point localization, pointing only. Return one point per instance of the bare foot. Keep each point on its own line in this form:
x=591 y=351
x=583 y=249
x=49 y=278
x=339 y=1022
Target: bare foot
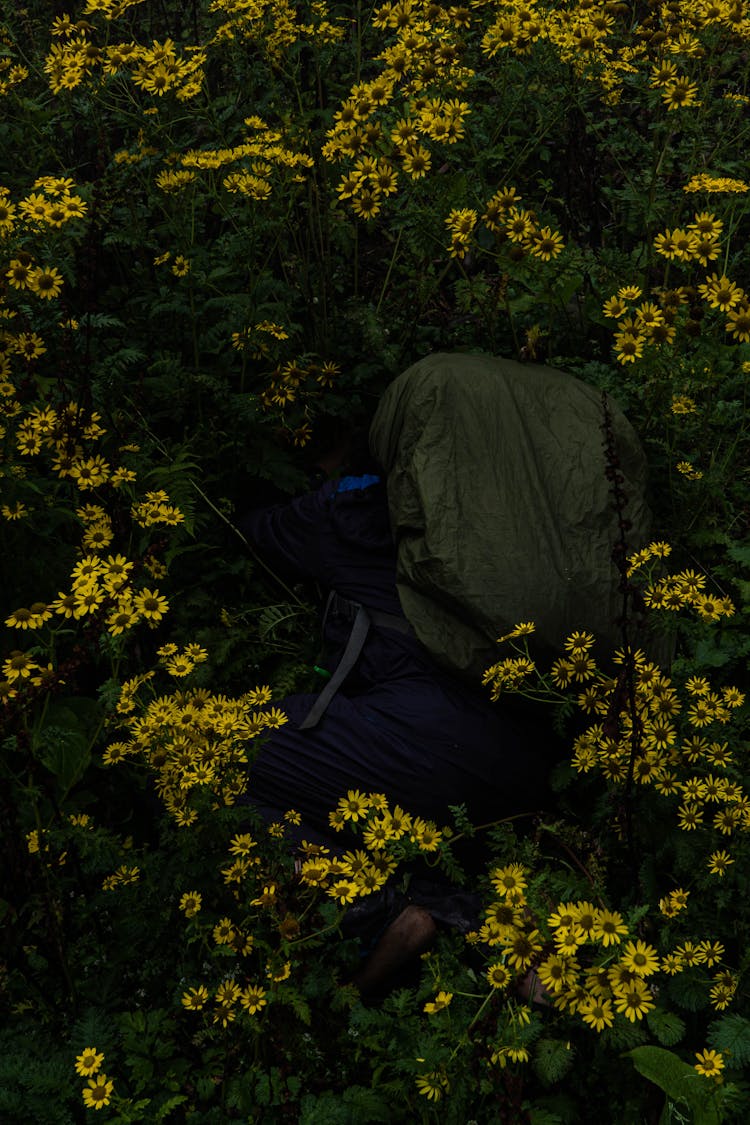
x=406 y=936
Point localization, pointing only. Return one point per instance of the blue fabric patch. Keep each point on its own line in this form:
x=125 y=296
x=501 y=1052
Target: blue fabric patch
x=353 y=484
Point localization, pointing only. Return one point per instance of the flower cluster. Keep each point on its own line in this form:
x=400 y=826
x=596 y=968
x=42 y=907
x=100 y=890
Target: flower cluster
x=274 y=26
x=414 y=101
x=156 y=69
x=51 y=203
x=576 y=981
x=510 y=223
x=264 y=896
x=296 y=387
x=97 y=1093
x=586 y=958
x=258 y=338
x=258 y=161
x=680 y=591
x=645 y=323
x=195 y=743
x=106 y=588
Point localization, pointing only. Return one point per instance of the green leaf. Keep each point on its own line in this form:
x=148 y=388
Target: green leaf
x=739 y=553
x=65 y=752
x=679 y=1081
x=731 y=1035
x=666 y=1026
x=543 y=1117
x=553 y=1059
x=169 y=1105
x=688 y=991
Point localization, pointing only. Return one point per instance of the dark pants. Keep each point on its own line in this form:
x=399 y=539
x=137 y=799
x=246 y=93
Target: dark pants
x=424 y=750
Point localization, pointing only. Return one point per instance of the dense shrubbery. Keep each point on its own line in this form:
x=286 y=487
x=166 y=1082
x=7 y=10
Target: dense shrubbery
x=223 y=227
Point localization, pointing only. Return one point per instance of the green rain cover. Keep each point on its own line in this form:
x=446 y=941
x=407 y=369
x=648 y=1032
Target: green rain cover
x=500 y=504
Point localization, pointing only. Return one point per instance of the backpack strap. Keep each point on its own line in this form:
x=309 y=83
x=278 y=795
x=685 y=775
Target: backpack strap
x=362 y=618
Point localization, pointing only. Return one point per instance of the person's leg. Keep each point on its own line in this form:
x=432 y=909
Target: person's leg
x=311 y=770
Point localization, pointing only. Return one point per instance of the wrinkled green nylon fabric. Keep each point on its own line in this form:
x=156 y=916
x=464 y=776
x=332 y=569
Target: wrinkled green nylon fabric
x=500 y=504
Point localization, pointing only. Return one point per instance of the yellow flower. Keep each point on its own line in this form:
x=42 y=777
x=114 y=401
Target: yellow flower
x=614 y=307
x=425 y=834
x=417 y=161
x=314 y=872
x=122 y=476
x=267 y=896
x=253 y=998
x=628 y=347
x=522 y=629
x=336 y=820
x=281 y=972
x=20 y=272
x=227 y=994
x=195 y=998
x=432 y=1085
x=21 y=618
x=98 y=1093
x=690 y=816
x=521 y=948
x=89 y=473
x=510 y=878
x=442 y=1000
x=88 y=1062
x=680 y=92
x=634 y=1001
x=18 y=666
x=241 y=844
x=738 y=323
x=121 y=618
x=515 y=1054
x=366 y=203
x=640 y=957
x=96 y=536
x=224 y=932
x=179 y=666
x=45 y=282
x=545 y=244
x=344 y=891
x=151 y=605
x=354 y=805
x=688 y=470
x=710 y=1064
x=597 y=1012
x=88 y=600
x=718 y=862
x=190 y=903
x=733 y=697
x=569 y=938
x=609 y=928
x=519 y=224
x=555 y=972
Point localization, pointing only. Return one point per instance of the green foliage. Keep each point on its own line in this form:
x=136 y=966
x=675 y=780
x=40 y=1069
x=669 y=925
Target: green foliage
x=553 y=1058
x=679 y=1082
x=730 y=1034
x=247 y=255
x=667 y=1027
x=349 y=1107
x=36 y=1080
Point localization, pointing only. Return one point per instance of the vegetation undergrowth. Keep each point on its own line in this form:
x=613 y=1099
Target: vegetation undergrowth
x=224 y=226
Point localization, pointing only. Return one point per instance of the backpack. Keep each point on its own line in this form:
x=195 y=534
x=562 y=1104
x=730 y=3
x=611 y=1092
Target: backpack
x=500 y=504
